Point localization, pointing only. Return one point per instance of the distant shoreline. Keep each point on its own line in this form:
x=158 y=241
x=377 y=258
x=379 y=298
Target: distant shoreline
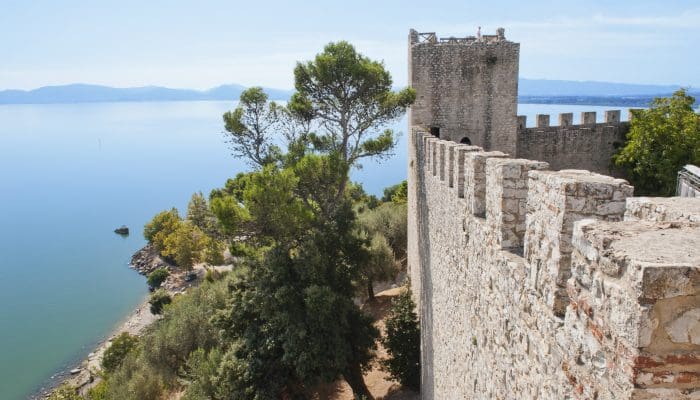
x=134 y=323
x=532 y=91
x=144 y=261
x=629 y=102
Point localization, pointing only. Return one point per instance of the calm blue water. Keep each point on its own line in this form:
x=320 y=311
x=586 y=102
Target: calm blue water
x=69 y=175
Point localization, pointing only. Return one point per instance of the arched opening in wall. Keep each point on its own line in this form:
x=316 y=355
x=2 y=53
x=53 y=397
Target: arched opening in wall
x=465 y=140
x=435 y=131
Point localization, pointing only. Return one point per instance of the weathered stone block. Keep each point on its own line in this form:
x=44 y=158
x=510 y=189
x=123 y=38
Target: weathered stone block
x=663 y=209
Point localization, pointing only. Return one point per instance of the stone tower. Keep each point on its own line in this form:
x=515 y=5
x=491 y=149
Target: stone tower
x=467 y=88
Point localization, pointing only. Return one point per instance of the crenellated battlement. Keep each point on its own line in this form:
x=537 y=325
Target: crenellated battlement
x=566 y=120
x=586 y=145
x=431 y=38
x=536 y=283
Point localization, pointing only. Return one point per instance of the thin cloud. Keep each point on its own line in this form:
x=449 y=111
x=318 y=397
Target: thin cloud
x=687 y=19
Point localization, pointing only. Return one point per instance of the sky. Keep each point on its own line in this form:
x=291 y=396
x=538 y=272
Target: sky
x=202 y=44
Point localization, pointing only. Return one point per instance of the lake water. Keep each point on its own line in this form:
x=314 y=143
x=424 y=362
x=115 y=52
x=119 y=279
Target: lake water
x=69 y=175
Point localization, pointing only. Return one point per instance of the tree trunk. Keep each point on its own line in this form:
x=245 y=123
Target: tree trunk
x=370 y=289
x=353 y=376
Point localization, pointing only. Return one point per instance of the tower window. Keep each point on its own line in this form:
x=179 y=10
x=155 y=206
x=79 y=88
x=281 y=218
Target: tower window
x=435 y=131
x=465 y=140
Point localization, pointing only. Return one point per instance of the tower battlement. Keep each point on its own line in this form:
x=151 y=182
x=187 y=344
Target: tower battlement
x=431 y=38
x=466 y=88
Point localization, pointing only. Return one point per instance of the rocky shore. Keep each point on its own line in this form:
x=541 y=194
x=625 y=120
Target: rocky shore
x=147 y=260
x=144 y=261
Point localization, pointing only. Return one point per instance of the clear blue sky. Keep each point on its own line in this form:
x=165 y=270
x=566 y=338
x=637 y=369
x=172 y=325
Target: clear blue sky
x=200 y=44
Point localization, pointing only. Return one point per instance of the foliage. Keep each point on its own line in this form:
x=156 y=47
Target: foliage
x=350 y=95
x=99 y=391
x=360 y=198
x=213 y=275
x=214 y=252
x=185 y=327
x=157 y=277
x=203 y=374
x=293 y=323
x=115 y=353
x=397 y=193
x=232 y=217
x=380 y=264
x=65 y=392
x=135 y=380
x=286 y=319
x=233 y=187
x=391 y=221
x=200 y=215
x=251 y=125
x=186 y=245
x=661 y=140
x=402 y=342
x=162 y=355
x=160 y=227
x=159 y=299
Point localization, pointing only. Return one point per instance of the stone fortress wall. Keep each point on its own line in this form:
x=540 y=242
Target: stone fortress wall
x=533 y=283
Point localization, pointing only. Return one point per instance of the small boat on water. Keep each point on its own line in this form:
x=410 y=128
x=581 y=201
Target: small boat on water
x=122 y=230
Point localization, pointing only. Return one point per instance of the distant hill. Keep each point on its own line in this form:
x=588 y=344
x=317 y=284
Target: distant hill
x=545 y=87
x=543 y=91
x=84 y=93
x=531 y=91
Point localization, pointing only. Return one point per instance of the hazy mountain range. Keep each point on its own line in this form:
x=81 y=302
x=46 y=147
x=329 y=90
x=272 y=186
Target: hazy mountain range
x=85 y=93
x=531 y=91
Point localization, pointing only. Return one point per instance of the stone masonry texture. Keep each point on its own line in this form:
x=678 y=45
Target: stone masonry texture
x=534 y=280
x=468 y=89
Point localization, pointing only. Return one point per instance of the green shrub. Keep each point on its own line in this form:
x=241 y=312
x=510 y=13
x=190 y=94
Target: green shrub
x=158 y=300
x=662 y=139
x=214 y=252
x=115 y=354
x=157 y=277
x=65 y=392
x=212 y=275
x=99 y=391
x=402 y=342
x=202 y=371
x=160 y=227
x=185 y=327
x=185 y=245
x=135 y=380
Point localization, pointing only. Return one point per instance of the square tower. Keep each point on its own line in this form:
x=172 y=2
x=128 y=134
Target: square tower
x=467 y=88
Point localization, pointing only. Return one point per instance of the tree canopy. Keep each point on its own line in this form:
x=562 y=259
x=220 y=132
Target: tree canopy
x=402 y=341
x=661 y=140
x=351 y=98
x=287 y=319
x=251 y=127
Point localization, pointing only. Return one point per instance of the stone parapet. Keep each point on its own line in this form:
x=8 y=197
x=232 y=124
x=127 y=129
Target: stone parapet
x=555 y=201
x=531 y=285
x=588 y=145
x=662 y=209
x=634 y=319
